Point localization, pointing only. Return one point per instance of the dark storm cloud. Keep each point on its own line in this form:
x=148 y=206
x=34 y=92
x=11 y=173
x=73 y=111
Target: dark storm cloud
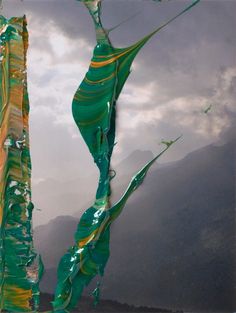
x=187 y=60
x=183 y=59
x=185 y=68
x=70 y=16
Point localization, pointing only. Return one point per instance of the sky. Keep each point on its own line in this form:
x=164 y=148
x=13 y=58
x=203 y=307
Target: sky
x=187 y=67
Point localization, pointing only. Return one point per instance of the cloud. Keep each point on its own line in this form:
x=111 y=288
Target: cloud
x=161 y=116
x=185 y=68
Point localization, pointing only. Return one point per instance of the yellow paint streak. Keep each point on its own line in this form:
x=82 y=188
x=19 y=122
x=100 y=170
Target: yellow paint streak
x=118 y=54
x=1 y=214
x=5 y=111
x=19 y=297
x=102 y=226
x=5 y=80
x=94 y=120
x=86 y=240
x=103 y=63
x=81 y=267
x=99 y=81
x=111 y=60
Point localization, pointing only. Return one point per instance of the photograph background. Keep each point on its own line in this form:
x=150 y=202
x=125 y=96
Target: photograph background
x=173 y=246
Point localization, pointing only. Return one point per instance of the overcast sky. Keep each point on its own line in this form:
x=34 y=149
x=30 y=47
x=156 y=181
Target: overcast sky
x=188 y=66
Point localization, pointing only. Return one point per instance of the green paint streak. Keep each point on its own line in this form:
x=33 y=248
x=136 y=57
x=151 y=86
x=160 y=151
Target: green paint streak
x=94 y=111
x=20 y=266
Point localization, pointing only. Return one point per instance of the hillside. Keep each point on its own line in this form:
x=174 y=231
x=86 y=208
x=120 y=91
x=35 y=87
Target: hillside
x=106 y=306
x=173 y=246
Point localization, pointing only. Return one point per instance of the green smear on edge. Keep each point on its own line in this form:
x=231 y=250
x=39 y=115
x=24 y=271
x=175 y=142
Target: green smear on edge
x=20 y=266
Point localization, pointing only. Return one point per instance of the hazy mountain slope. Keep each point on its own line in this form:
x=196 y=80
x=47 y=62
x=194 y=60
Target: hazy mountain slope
x=175 y=240
x=55 y=198
x=86 y=305
x=173 y=246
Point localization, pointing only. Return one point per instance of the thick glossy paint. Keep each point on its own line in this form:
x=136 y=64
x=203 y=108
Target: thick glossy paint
x=20 y=266
x=94 y=111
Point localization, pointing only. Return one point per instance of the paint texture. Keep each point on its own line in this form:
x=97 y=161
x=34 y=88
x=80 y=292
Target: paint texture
x=20 y=266
x=94 y=111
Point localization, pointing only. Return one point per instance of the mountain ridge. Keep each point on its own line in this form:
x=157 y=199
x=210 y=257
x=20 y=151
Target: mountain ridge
x=86 y=305
x=172 y=245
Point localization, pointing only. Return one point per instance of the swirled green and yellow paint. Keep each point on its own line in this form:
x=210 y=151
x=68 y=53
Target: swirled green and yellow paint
x=94 y=111
x=20 y=266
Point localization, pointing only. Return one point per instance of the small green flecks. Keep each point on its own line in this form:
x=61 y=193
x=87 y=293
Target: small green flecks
x=96 y=295
x=208 y=109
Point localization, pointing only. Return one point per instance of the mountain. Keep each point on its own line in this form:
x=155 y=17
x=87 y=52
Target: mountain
x=86 y=305
x=174 y=244
x=75 y=195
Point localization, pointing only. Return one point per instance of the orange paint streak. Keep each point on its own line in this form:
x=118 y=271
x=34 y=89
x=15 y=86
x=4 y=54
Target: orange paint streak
x=19 y=297
x=86 y=240
x=99 y=81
